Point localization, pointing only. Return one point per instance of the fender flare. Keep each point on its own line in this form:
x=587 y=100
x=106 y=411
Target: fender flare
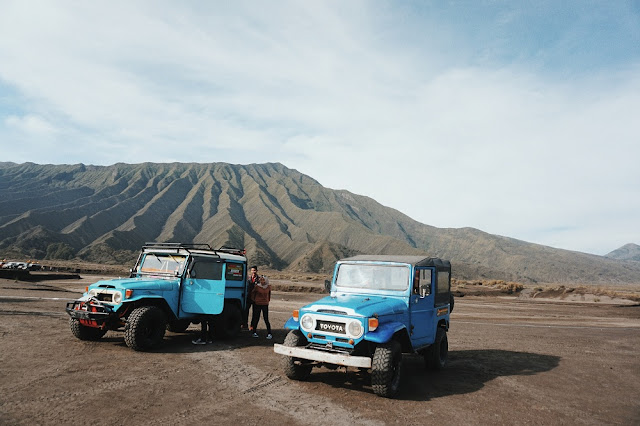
x=384 y=332
x=291 y=324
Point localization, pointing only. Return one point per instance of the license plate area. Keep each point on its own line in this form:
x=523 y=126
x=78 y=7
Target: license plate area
x=331 y=327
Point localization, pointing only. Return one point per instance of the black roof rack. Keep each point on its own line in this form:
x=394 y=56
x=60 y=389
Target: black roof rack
x=194 y=246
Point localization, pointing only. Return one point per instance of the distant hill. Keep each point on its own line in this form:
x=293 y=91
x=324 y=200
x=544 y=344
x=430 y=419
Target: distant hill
x=283 y=218
x=626 y=252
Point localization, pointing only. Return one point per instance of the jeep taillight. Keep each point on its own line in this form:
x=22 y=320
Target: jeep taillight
x=296 y=315
x=373 y=324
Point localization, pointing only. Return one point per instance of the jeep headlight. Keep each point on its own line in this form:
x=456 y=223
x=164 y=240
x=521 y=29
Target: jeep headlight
x=117 y=297
x=306 y=322
x=355 y=328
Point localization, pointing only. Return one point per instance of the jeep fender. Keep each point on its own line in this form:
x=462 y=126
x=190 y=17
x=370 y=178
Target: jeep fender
x=151 y=300
x=291 y=324
x=384 y=332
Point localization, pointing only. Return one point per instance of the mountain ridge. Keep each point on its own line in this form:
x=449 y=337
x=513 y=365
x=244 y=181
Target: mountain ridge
x=284 y=219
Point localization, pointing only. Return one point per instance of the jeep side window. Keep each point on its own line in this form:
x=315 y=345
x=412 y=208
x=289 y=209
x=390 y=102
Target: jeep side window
x=206 y=270
x=442 y=288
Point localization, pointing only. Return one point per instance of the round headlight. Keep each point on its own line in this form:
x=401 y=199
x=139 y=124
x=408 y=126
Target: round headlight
x=355 y=328
x=306 y=322
x=117 y=297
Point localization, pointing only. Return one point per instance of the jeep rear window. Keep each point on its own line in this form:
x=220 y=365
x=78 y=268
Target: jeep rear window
x=234 y=272
x=373 y=276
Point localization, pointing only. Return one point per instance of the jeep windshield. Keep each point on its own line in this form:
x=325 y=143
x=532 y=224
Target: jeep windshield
x=162 y=264
x=369 y=276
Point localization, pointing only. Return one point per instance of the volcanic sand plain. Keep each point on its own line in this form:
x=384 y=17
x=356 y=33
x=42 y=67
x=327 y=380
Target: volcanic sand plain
x=512 y=360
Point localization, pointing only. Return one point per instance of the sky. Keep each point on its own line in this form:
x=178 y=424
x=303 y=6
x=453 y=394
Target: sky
x=518 y=118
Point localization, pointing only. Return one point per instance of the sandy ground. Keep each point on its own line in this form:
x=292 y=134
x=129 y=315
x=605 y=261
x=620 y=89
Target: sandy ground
x=512 y=361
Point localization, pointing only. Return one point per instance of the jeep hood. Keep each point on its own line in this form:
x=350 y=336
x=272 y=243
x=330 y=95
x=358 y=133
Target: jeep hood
x=360 y=305
x=137 y=284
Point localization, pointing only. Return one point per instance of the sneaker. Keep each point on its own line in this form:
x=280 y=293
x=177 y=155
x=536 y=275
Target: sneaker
x=269 y=336
x=255 y=335
x=199 y=342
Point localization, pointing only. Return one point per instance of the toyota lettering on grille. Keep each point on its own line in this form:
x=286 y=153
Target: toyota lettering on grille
x=331 y=327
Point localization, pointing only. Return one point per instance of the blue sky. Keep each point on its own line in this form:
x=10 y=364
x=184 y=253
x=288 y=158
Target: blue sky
x=516 y=118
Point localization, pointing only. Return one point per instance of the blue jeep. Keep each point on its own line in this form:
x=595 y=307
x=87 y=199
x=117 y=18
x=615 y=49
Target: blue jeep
x=171 y=286
x=379 y=308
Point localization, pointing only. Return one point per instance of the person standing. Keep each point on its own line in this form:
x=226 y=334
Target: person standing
x=206 y=331
x=261 y=297
x=251 y=283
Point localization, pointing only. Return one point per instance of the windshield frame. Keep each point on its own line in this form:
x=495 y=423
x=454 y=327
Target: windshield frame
x=369 y=281
x=170 y=264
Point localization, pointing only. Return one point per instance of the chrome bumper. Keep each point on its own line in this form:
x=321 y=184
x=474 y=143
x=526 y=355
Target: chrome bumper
x=328 y=357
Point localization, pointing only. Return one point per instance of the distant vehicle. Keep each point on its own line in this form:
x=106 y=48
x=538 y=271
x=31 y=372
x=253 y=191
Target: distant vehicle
x=171 y=285
x=379 y=308
x=15 y=265
x=34 y=266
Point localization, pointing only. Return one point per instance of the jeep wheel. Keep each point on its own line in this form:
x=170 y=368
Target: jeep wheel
x=386 y=369
x=145 y=328
x=437 y=354
x=227 y=324
x=178 y=326
x=83 y=332
x=295 y=368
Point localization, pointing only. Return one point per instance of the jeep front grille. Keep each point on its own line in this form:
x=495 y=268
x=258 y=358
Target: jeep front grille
x=104 y=297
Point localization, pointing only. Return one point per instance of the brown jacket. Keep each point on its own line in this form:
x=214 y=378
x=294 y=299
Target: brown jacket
x=261 y=295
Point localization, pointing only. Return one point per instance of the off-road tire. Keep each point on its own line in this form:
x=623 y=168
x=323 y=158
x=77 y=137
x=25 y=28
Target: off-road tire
x=178 y=326
x=227 y=324
x=386 y=369
x=295 y=368
x=83 y=332
x=145 y=328
x=437 y=354
x=451 y=303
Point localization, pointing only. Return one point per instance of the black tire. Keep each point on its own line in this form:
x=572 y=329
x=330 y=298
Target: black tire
x=145 y=328
x=451 y=302
x=386 y=369
x=83 y=332
x=178 y=326
x=437 y=354
x=227 y=324
x=296 y=368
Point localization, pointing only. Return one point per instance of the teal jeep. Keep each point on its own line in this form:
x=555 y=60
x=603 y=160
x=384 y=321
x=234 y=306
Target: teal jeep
x=171 y=286
x=379 y=308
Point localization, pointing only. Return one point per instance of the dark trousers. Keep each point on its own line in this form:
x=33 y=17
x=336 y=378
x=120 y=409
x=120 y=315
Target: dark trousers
x=206 y=328
x=245 y=313
x=256 y=316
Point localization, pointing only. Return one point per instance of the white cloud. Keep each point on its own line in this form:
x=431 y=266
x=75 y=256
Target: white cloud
x=31 y=124
x=392 y=103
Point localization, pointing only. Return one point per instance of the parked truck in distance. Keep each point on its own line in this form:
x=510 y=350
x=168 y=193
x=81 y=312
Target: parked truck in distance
x=171 y=286
x=379 y=307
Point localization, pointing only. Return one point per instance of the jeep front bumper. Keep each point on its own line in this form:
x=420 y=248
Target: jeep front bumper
x=321 y=356
x=89 y=313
